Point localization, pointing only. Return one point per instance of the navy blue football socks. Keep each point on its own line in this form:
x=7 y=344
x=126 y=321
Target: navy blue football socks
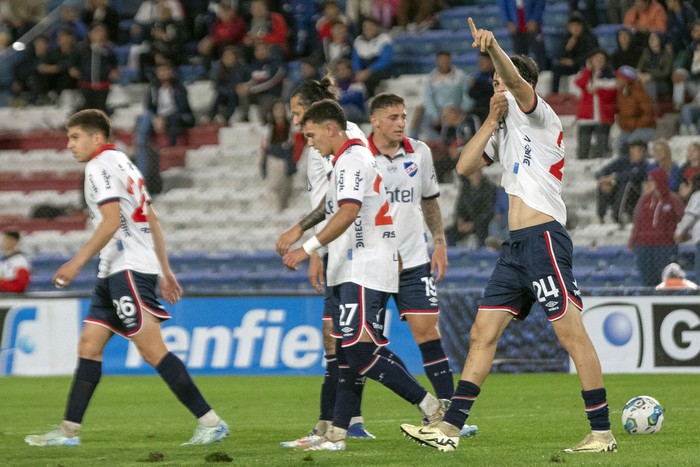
x=176 y=376
x=597 y=409
x=329 y=388
x=437 y=368
x=87 y=375
x=462 y=402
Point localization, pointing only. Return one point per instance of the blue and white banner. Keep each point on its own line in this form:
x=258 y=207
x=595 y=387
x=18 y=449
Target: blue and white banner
x=659 y=334
x=212 y=335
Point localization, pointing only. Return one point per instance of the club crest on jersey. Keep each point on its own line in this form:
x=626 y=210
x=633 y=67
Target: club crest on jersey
x=411 y=168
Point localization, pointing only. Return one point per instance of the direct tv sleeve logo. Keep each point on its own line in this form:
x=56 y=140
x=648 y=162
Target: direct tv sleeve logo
x=617 y=335
x=677 y=335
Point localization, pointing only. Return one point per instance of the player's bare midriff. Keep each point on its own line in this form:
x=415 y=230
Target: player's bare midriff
x=520 y=215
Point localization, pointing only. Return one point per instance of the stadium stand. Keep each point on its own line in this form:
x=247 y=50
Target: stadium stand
x=213 y=205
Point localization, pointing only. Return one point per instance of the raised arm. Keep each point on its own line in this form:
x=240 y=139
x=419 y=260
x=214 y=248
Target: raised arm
x=485 y=41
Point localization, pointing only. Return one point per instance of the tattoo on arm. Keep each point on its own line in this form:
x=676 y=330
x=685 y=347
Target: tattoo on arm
x=314 y=217
x=433 y=219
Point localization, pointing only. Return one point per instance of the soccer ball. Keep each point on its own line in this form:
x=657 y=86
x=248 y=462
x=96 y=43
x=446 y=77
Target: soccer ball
x=642 y=415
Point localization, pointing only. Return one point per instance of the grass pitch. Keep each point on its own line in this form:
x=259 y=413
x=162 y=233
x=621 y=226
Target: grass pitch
x=523 y=420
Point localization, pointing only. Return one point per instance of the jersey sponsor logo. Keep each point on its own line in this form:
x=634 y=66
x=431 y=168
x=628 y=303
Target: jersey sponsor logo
x=359 y=233
x=528 y=152
x=400 y=196
x=106 y=177
x=411 y=168
x=123 y=226
x=93 y=185
x=390 y=234
x=392 y=168
x=358 y=180
x=341 y=179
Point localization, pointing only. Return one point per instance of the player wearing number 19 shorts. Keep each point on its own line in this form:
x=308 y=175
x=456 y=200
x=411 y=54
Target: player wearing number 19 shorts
x=132 y=252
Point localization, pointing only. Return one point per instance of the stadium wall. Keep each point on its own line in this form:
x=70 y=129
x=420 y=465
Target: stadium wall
x=280 y=335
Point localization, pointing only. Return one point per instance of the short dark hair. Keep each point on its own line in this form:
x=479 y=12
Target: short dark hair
x=384 y=100
x=12 y=232
x=92 y=121
x=312 y=90
x=527 y=68
x=443 y=52
x=323 y=111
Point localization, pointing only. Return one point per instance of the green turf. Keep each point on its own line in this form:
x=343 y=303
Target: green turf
x=523 y=420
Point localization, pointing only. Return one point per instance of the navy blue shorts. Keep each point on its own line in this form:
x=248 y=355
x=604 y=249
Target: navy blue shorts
x=535 y=264
x=358 y=309
x=329 y=302
x=417 y=294
x=118 y=302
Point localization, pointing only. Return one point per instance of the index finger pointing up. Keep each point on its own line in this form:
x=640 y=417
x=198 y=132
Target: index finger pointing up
x=472 y=26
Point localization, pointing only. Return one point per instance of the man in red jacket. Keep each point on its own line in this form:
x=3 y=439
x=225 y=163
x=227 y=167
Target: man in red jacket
x=15 y=268
x=655 y=218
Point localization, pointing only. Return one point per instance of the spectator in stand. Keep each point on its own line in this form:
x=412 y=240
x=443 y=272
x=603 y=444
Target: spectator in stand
x=357 y=10
x=101 y=11
x=230 y=73
x=688 y=229
x=680 y=17
x=635 y=109
x=673 y=278
x=26 y=85
x=688 y=170
x=168 y=37
x=277 y=164
x=15 y=268
x=574 y=49
x=69 y=18
x=625 y=53
x=474 y=210
x=167 y=110
x=147 y=15
x=655 y=66
x=338 y=46
x=596 y=110
x=643 y=17
x=445 y=86
x=664 y=159
x=686 y=76
x=417 y=14
x=372 y=52
x=655 y=219
x=480 y=86
x=267 y=74
x=589 y=10
x=229 y=29
x=330 y=14
x=620 y=183
x=95 y=68
x=53 y=72
x=18 y=17
x=351 y=94
x=523 y=18
x=617 y=9
x=308 y=69
x=266 y=26
x=386 y=12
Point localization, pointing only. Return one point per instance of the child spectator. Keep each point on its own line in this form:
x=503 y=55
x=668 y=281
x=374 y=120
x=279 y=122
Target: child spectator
x=596 y=110
x=352 y=95
x=15 y=268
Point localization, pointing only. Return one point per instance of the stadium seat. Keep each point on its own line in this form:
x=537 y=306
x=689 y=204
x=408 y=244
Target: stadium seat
x=556 y=16
x=607 y=36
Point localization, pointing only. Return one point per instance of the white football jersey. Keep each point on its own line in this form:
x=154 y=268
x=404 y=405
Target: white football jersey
x=110 y=176
x=366 y=253
x=409 y=178
x=530 y=146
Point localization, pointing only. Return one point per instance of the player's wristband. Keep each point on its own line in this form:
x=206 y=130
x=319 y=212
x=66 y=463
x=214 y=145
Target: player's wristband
x=311 y=245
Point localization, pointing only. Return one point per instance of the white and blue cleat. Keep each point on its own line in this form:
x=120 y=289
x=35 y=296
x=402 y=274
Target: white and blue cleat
x=208 y=434
x=357 y=431
x=56 y=437
x=468 y=431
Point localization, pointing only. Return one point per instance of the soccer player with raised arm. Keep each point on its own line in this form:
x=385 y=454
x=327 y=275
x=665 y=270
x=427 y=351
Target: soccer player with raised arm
x=133 y=258
x=406 y=167
x=363 y=268
x=317 y=171
x=535 y=264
